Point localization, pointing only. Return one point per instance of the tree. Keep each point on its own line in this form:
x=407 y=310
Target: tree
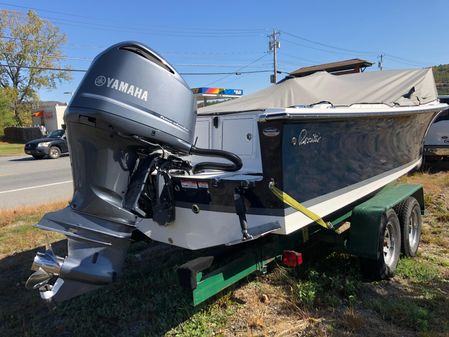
x=6 y=117
x=29 y=46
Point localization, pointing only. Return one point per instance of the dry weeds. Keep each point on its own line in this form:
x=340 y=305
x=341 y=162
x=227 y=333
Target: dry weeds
x=277 y=315
x=17 y=233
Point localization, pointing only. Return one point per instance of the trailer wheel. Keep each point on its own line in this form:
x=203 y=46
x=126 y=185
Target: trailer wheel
x=409 y=214
x=389 y=249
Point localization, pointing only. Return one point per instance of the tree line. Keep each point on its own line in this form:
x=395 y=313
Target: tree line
x=441 y=74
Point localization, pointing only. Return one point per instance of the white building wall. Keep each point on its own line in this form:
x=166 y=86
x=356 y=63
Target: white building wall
x=60 y=109
x=53 y=116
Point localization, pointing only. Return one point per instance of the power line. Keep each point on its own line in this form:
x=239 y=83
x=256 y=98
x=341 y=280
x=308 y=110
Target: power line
x=230 y=73
x=42 y=10
x=184 y=32
x=195 y=53
x=314 y=48
x=405 y=61
x=200 y=29
x=328 y=45
x=240 y=66
x=351 y=51
x=185 y=74
x=154 y=31
x=204 y=65
x=205 y=32
x=238 y=70
x=42 y=68
x=300 y=58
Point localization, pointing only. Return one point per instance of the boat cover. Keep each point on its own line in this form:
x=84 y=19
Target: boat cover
x=391 y=87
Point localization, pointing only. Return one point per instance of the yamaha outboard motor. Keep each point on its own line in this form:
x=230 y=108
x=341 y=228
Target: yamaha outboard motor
x=128 y=124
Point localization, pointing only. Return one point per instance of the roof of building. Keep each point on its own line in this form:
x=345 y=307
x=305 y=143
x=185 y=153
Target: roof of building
x=46 y=103
x=352 y=64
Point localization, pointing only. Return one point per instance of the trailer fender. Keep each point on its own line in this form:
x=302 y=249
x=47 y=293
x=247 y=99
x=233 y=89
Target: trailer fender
x=363 y=236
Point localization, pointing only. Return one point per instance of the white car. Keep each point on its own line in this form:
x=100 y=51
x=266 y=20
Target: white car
x=436 y=143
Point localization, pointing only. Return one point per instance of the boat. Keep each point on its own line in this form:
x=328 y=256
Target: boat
x=283 y=158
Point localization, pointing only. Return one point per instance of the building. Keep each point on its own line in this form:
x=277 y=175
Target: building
x=206 y=96
x=50 y=114
x=335 y=68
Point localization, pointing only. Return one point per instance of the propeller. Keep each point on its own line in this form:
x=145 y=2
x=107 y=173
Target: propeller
x=38 y=279
x=48 y=261
x=46 y=265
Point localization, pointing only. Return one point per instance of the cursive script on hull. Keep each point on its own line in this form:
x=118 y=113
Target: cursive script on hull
x=305 y=138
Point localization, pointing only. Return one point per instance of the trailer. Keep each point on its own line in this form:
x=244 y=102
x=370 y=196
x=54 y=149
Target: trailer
x=377 y=230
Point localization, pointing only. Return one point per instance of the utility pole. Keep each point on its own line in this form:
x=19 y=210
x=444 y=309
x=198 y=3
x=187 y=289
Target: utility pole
x=273 y=45
x=380 y=62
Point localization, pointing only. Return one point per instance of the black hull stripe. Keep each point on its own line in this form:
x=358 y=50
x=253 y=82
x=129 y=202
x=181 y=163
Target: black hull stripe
x=289 y=210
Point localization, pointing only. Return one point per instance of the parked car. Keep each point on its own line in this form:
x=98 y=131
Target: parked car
x=52 y=146
x=436 y=143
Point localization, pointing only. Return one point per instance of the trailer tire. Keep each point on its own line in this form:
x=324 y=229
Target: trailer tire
x=409 y=214
x=389 y=249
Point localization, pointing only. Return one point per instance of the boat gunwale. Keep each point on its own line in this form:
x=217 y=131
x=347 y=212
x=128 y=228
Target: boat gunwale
x=342 y=112
x=363 y=110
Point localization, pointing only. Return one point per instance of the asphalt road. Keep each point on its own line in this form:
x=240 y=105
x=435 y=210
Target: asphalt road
x=26 y=181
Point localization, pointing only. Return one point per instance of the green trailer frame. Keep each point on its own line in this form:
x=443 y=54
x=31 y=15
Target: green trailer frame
x=356 y=231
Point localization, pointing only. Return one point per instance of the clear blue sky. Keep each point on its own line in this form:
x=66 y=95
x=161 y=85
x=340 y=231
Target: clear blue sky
x=226 y=36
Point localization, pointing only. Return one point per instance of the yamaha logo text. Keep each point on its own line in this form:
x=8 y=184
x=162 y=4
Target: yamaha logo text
x=122 y=86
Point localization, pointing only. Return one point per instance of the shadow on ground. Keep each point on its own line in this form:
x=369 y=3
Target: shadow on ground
x=23 y=159
x=31 y=158
x=146 y=301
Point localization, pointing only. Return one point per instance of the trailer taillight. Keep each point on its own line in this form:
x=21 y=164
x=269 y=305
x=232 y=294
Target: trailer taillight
x=291 y=259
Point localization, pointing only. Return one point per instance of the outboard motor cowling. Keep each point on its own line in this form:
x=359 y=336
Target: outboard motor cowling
x=138 y=93
x=130 y=99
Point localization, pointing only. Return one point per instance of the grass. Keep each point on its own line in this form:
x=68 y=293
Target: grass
x=10 y=149
x=418 y=270
x=10 y=217
x=405 y=313
x=326 y=297
x=334 y=281
x=17 y=233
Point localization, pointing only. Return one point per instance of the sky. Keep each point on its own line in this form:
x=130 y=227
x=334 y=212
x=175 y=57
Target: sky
x=232 y=36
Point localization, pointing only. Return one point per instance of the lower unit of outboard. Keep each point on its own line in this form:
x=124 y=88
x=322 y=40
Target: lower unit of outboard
x=128 y=124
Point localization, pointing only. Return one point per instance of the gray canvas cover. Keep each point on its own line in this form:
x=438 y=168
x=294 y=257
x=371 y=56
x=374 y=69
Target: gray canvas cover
x=392 y=87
